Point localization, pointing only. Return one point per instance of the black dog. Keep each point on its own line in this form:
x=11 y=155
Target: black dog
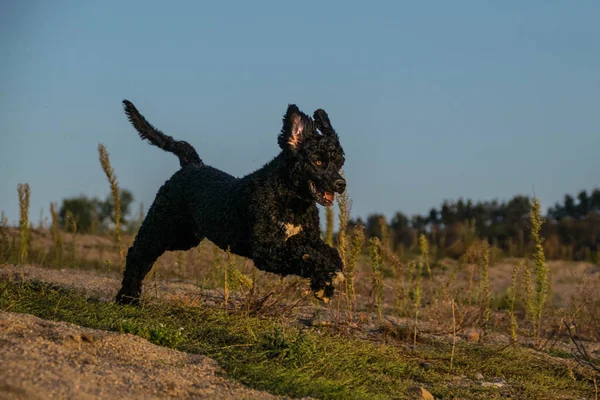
x=269 y=216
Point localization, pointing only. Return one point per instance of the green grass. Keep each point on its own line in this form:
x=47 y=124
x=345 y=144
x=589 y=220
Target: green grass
x=298 y=361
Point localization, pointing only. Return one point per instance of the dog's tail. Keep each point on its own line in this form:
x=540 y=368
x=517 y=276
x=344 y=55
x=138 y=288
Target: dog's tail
x=185 y=151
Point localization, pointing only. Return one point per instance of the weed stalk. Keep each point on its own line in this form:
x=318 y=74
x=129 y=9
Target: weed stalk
x=24 y=194
x=329 y=216
x=72 y=224
x=485 y=283
x=512 y=297
x=57 y=240
x=541 y=268
x=377 y=269
x=114 y=189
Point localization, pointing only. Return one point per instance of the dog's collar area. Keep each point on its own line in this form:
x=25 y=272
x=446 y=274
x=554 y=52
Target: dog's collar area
x=289 y=229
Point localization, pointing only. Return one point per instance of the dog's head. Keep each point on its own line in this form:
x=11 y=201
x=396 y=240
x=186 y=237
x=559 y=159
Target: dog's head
x=313 y=147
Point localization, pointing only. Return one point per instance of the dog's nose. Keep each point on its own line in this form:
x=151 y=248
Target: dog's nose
x=339 y=185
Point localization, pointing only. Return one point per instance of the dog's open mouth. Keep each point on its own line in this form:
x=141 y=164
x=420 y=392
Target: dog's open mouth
x=322 y=197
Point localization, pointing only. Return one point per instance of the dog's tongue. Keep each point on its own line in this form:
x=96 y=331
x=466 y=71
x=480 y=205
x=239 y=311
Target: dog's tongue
x=329 y=196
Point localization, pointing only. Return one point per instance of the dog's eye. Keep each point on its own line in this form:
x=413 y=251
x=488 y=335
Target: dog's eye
x=318 y=162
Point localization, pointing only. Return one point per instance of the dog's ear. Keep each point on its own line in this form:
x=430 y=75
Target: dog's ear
x=295 y=129
x=322 y=121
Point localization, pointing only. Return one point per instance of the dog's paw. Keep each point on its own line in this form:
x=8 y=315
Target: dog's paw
x=324 y=290
x=325 y=294
x=338 y=278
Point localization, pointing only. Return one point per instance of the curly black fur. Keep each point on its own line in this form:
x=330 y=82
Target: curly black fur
x=269 y=216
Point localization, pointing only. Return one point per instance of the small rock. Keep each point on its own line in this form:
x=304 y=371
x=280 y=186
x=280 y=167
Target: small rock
x=425 y=365
x=320 y=322
x=499 y=382
x=478 y=376
x=473 y=336
x=87 y=338
x=425 y=395
x=74 y=337
x=493 y=384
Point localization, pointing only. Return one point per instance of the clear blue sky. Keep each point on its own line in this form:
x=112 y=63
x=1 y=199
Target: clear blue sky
x=431 y=101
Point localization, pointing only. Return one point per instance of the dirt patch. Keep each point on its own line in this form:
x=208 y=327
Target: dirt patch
x=103 y=287
x=43 y=359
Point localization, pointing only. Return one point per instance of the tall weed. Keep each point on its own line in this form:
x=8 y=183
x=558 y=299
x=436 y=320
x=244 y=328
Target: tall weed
x=24 y=194
x=114 y=190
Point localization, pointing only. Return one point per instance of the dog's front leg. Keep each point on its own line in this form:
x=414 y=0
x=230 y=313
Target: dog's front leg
x=295 y=256
x=301 y=255
x=326 y=269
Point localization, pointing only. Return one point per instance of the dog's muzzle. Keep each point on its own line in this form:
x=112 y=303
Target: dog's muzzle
x=339 y=185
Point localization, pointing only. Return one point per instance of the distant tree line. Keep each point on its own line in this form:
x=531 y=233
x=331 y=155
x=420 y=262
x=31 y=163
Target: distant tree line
x=571 y=229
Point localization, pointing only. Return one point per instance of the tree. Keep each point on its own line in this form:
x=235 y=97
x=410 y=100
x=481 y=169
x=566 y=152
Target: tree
x=376 y=223
x=557 y=212
x=92 y=214
x=433 y=217
x=84 y=210
x=447 y=213
x=584 y=204
x=595 y=200
x=460 y=210
x=107 y=208
x=399 y=221
x=517 y=210
x=401 y=229
x=418 y=222
x=569 y=206
x=354 y=223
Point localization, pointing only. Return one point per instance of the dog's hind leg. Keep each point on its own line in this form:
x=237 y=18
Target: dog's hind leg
x=140 y=259
x=153 y=239
x=150 y=243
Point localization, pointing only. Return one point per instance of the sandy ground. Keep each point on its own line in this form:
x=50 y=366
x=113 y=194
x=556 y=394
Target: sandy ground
x=50 y=360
